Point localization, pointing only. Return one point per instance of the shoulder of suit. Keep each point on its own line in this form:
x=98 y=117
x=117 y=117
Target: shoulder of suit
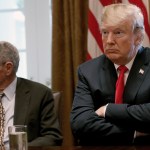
x=30 y=83
x=145 y=51
x=93 y=61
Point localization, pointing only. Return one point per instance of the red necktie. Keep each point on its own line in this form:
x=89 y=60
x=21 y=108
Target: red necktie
x=120 y=85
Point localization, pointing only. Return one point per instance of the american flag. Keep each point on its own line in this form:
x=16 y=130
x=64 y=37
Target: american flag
x=95 y=47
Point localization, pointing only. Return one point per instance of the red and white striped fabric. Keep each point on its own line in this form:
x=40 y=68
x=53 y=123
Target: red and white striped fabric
x=95 y=47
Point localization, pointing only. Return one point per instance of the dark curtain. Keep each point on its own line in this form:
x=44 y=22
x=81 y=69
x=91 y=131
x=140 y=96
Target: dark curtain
x=69 y=48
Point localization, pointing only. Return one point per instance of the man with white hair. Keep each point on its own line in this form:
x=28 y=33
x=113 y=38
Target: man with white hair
x=25 y=103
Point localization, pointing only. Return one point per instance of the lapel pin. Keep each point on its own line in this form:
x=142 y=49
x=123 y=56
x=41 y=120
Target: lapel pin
x=141 y=71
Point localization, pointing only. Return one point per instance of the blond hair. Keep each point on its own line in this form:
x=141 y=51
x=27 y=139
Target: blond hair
x=116 y=13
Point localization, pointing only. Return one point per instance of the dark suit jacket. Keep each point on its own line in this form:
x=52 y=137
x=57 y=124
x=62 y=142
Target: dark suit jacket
x=34 y=107
x=96 y=87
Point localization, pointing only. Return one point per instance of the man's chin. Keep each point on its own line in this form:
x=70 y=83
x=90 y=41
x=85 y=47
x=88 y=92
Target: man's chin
x=113 y=58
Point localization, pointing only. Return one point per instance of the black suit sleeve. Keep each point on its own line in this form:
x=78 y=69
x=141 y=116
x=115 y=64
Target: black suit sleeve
x=86 y=124
x=43 y=128
x=137 y=116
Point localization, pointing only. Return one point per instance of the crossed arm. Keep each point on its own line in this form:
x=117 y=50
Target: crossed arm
x=86 y=124
x=138 y=115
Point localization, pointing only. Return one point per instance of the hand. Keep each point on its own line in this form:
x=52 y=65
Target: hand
x=101 y=111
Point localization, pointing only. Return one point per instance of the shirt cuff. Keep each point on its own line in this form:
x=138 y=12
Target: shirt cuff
x=105 y=109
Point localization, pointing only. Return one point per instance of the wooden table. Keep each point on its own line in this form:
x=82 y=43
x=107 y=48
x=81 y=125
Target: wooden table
x=92 y=148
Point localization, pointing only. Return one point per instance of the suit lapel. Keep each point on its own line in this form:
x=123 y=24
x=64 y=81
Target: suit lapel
x=136 y=75
x=108 y=79
x=21 y=103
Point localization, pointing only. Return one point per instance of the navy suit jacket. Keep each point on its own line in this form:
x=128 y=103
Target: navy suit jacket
x=34 y=107
x=96 y=87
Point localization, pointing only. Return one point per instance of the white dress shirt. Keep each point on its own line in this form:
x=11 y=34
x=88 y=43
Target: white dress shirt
x=129 y=65
x=8 y=102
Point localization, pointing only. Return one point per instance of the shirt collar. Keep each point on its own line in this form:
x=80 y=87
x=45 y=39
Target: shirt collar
x=128 y=65
x=11 y=89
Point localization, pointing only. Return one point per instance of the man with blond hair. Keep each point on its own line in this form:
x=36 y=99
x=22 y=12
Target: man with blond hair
x=101 y=112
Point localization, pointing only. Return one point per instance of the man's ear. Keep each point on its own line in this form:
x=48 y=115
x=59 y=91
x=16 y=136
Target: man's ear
x=8 y=68
x=139 y=38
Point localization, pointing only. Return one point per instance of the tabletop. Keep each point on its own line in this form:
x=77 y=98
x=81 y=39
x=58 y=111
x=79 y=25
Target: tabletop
x=91 y=148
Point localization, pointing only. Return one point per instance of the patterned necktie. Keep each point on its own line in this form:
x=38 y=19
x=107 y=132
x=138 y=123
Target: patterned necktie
x=2 y=119
x=120 y=85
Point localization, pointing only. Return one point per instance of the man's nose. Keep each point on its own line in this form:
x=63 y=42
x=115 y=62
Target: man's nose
x=110 y=38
